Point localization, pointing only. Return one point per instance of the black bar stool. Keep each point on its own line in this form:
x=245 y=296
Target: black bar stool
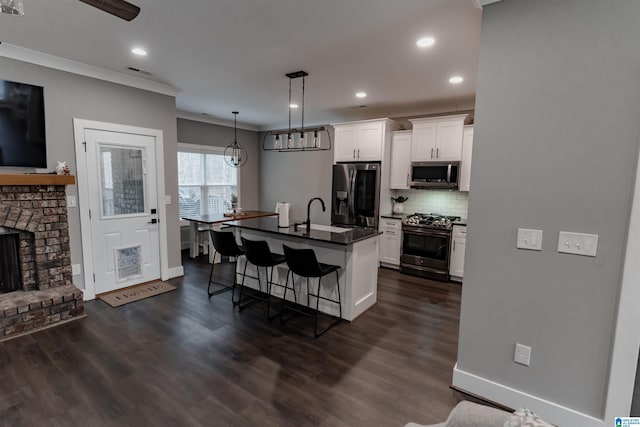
x=224 y=243
x=304 y=263
x=259 y=254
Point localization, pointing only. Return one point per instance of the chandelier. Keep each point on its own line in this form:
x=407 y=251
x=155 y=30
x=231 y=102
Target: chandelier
x=297 y=139
x=234 y=154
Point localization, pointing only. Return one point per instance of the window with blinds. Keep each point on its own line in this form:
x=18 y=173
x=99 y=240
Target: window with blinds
x=205 y=182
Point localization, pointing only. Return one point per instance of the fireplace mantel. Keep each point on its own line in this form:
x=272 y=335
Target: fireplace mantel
x=37 y=179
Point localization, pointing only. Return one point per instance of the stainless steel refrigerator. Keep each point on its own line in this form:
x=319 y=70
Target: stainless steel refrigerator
x=355 y=196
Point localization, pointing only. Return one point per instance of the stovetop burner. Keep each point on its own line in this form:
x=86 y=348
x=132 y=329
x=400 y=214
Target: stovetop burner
x=431 y=220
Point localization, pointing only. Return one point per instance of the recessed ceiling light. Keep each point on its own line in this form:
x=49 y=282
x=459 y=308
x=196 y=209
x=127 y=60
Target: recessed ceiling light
x=456 y=79
x=361 y=94
x=293 y=105
x=426 y=42
x=139 y=51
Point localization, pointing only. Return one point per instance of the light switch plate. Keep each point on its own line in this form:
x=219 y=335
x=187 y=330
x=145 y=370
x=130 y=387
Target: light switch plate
x=529 y=239
x=167 y=199
x=71 y=202
x=578 y=243
x=76 y=269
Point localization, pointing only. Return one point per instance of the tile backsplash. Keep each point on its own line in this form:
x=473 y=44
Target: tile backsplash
x=437 y=201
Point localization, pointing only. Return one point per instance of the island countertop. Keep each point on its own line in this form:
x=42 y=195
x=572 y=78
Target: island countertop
x=270 y=225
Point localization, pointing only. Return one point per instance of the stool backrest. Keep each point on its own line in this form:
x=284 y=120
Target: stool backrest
x=257 y=252
x=224 y=243
x=302 y=262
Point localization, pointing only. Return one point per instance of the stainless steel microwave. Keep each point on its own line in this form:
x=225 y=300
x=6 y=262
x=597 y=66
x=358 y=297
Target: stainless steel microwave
x=435 y=175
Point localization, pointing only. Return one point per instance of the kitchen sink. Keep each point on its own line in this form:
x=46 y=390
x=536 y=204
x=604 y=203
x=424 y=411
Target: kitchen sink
x=328 y=228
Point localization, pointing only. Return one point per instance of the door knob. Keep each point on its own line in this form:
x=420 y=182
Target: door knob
x=153 y=221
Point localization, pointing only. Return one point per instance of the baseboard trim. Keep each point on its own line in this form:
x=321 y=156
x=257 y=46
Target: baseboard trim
x=548 y=411
x=175 y=272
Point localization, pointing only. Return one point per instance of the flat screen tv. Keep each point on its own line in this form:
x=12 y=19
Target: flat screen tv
x=22 y=131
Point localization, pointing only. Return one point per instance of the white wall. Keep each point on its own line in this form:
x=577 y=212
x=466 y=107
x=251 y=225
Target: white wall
x=68 y=96
x=555 y=148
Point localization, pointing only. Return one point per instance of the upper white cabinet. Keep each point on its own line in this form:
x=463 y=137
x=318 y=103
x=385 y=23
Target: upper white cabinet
x=437 y=138
x=465 y=167
x=400 y=160
x=361 y=141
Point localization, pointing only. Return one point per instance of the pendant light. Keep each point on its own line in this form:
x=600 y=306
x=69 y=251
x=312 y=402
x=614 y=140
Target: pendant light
x=235 y=155
x=297 y=139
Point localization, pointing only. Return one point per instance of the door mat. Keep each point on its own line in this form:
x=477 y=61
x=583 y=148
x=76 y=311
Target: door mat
x=135 y=293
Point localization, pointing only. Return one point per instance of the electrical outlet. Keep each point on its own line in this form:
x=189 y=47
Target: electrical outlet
x=522 y=355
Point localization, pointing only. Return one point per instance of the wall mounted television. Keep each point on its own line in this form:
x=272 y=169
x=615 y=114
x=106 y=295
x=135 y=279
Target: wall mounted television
x=22 y=130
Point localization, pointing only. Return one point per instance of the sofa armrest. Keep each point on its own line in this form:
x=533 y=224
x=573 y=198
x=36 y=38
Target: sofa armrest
x=469 y=414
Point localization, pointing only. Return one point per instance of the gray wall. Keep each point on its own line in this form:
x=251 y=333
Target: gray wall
x=295 y=178
x=555 y=148
x=69 y=96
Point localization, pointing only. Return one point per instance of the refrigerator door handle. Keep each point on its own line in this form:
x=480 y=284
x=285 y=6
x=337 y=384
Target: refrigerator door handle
x=352 y=193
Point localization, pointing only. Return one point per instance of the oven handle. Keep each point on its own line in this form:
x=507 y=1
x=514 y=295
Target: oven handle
x=427 y=232
x=449 y=174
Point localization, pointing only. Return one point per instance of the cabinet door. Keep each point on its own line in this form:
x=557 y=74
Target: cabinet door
x=369 y=142
x=400 y=168
x=465 y=167
x=423 y=142
x=390 y=247
x=449 y=140
x=456 y=266
x=346 y=143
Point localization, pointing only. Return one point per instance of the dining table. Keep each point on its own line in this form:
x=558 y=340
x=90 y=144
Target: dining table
x=196 y=220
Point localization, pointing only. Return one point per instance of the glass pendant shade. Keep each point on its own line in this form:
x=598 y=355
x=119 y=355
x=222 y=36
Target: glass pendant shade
x=234 y=154
x=12 y=7
x=302 y=141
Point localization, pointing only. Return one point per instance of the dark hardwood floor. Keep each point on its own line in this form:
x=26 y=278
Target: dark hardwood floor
x=181 y=359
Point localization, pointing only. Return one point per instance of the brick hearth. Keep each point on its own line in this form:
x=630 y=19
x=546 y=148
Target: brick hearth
x=39 y=214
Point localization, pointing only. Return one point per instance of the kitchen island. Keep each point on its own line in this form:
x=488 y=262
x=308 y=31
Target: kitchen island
x=354 y=250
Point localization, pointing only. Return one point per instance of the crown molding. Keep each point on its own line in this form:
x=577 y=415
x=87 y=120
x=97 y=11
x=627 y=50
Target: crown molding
x=480 y=3
x=57 y=63
x=215 y=121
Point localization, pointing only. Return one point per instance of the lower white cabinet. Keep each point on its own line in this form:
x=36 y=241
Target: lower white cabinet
x=390 y=242
x=456 y=263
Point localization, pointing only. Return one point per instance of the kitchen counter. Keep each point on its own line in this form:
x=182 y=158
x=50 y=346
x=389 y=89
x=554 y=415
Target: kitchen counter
x=462 y=221
x=270 y=225
x=393 y=216
x=356 y=252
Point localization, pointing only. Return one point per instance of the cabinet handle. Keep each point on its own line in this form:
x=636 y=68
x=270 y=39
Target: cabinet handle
x=407 y=180
x=432 y=153
x=354 y=153
x=437 y=153
x=454 y=245
x=358 y=153
x=390 y=232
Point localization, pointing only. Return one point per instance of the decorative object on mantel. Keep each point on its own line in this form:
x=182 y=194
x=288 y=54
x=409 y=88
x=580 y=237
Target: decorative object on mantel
x=235 y=155
x=398 y=208
x=12 y=7
x=297 y=139
x=63 y=169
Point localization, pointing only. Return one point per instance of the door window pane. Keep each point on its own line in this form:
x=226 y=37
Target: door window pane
x=122 y=180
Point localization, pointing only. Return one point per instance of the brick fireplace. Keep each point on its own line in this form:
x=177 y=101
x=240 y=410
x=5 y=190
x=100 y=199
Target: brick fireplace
x=33 y=208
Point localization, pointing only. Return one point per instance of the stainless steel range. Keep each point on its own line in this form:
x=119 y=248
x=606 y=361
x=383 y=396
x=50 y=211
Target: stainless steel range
x=426 y=243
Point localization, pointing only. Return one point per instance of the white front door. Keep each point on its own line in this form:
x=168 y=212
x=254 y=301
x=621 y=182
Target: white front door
x=123 y=208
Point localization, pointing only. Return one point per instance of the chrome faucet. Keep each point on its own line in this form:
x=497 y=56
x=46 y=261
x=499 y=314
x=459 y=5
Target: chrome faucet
x=309 y=212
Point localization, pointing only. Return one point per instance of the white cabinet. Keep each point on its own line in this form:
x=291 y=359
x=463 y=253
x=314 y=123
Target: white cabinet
x=400 y=168
x=390 y=242
x=359 y=141
x=456 y=263
x=437 y=138
x=465 y=166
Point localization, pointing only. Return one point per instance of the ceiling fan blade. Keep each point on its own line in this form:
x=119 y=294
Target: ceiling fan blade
x=119 y=8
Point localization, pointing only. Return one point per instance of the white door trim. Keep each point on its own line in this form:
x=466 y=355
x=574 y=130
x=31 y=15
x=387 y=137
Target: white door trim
x=79 y=126
x=626 y=338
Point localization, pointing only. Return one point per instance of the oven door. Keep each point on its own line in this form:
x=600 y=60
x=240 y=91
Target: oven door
x=426 y=248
